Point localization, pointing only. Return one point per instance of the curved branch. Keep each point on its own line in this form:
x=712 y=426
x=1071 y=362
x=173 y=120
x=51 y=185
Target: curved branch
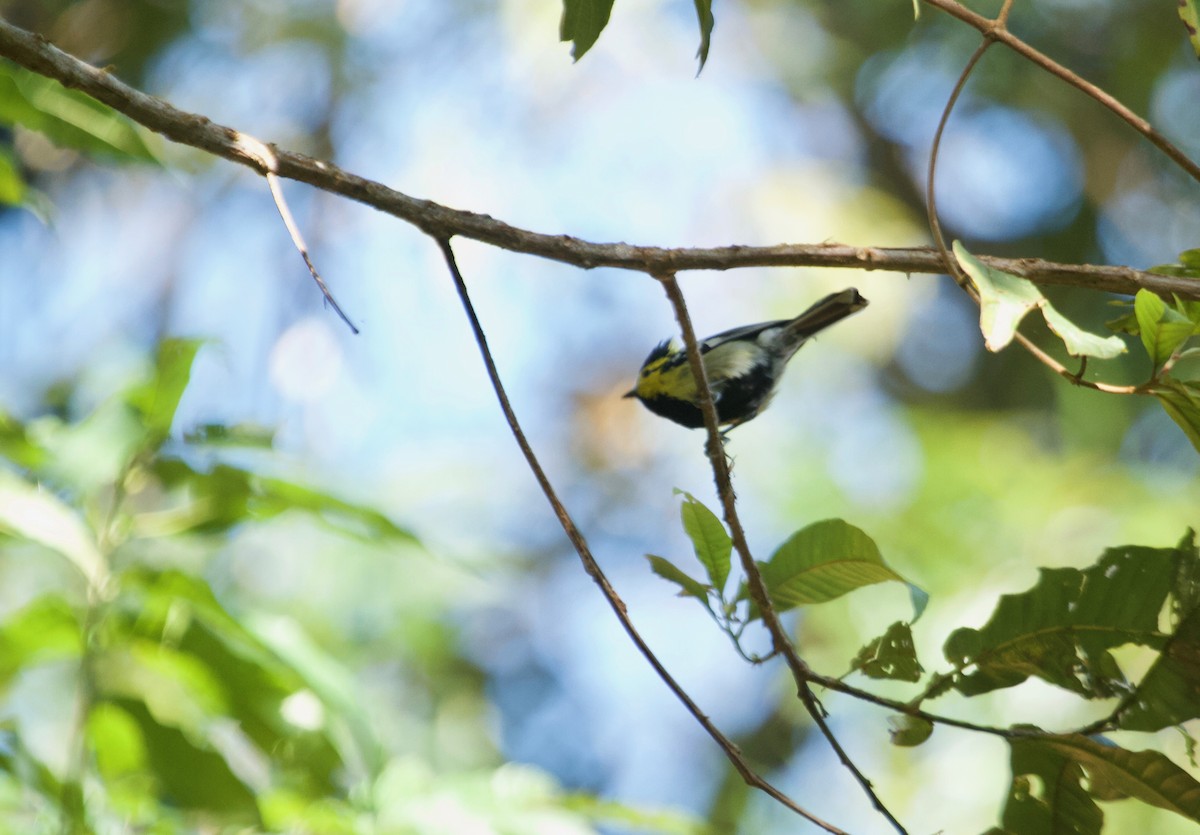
x=732 y=752
x=996 y=30
x=34 y=53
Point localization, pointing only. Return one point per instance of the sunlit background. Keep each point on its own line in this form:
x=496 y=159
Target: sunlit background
x=811 y=122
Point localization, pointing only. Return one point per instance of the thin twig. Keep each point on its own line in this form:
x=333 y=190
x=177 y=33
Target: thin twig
x=34 y=53
x=732 y=752
x=996 y=30
x=952 y=265
x=269 y=160
x=715 y=449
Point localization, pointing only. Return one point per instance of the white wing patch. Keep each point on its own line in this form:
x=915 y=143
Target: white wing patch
x=733 y=359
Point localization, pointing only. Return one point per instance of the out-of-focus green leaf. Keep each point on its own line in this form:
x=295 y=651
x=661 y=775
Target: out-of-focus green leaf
x=1081 y=343
x=1191 y=23
x=190 y=772
x=891 y=655
x=1047 y=796
x=909 y=731
x=709 y=539
x=238 y=435
x=158 y=398
x=704 y=17
x=1004 y=299
x=1181 y=400
x=582 y=23
x=1062 y=629
x=12 y=185
x=1188 y=266
x=45 y=630
x=17 y=446
x=68 y=118
x=273 y=496
x=39 y=516
x=688 y=586
x=1162 y=328
x=92 y=454
x=826 y=560
x=178 y=690
x=329 y=680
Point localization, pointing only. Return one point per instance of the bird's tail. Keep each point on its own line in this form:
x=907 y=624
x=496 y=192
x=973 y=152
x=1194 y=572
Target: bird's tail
x=833 y=308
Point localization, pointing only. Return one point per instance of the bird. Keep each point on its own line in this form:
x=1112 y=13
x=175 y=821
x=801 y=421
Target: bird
x=743 y=365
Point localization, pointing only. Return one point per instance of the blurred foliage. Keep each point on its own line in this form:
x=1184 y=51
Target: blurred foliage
x=178 y=714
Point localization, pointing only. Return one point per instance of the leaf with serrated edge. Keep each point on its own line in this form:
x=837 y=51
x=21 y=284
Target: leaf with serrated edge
x=1003 y=299
x=709 y=539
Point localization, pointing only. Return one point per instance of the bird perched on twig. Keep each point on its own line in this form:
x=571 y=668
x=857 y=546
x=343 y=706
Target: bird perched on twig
x=743 y=365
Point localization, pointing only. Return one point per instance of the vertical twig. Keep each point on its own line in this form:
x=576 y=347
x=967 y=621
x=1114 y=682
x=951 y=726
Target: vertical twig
x=732 y=752
x=801 y=673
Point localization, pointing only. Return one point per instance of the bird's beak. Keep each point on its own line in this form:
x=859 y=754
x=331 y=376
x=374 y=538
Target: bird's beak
x=630 y=393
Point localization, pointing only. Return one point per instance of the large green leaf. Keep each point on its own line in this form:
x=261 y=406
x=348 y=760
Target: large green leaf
x=709 y=539
x=68 y=118
x=582 y=23
x=1062 y=629
x=1081 y=343
x=826 y=560
x=1115 y=773
x=1169 y=693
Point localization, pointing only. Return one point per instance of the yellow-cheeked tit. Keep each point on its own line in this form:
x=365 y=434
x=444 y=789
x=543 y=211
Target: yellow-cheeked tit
x=743 y=365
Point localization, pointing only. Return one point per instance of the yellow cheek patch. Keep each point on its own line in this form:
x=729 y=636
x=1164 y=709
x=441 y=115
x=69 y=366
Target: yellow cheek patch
x=675 y=382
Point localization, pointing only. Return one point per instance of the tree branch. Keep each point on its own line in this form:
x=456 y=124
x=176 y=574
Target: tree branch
x=34 y=53
x=996 y=30
x=732 y=752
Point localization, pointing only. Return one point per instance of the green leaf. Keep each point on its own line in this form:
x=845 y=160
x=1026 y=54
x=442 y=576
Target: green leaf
x=891 y=655
x=709 y=539
x=12 y=185
x=47 y=629
x=1062 y=629
x=1081 y=343
x=158 y=398
x=68 y=118
x=1181 y=400
x=39 y=516
x=272 y=496
x=1162 y=328
x=582 y=23
x=826 y=560
x=1003 y=299
x=1191 y=22
x=909 y=731
x=1047 y=796
x=688 y=586
x=704 y=17
x=1169 y=693
x=1116 y=773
